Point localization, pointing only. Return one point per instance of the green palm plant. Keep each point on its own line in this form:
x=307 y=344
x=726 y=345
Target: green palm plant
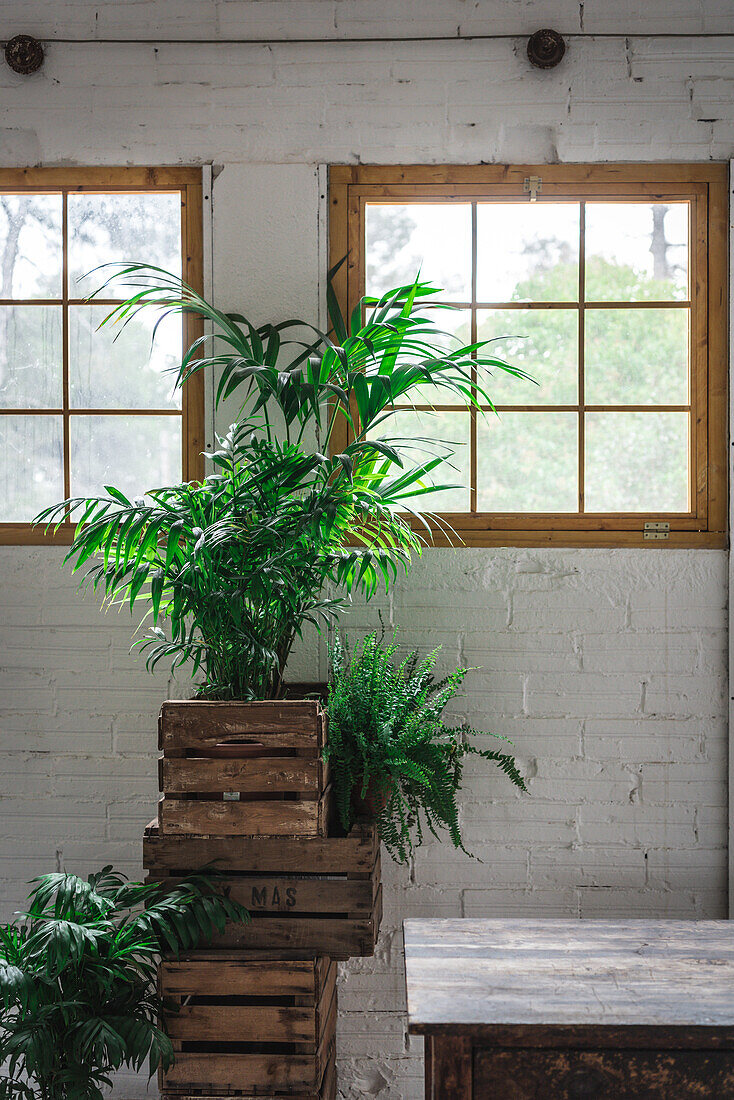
x=78 y=978
x=391 y=754
x=230 y=569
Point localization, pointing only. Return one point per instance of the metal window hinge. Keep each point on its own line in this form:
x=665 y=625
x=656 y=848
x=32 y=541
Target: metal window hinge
x=533 y=184
x=656 y=531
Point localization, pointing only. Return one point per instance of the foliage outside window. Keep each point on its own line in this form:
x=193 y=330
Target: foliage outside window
x=608 y=290
x=74 y=398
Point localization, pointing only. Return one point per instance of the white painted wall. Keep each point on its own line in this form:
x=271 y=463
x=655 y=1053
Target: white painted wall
x=607 y=668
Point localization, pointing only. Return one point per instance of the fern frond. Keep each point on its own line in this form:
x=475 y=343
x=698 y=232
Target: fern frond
x=387 y=739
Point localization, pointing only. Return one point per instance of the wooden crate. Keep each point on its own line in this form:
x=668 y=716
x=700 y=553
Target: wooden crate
x=248 y=1024
x=326 y=1092
x=315 y=894
x=280 y=789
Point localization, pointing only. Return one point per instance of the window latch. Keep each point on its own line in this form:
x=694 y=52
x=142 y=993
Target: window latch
x=531 y=185
x=656 y=532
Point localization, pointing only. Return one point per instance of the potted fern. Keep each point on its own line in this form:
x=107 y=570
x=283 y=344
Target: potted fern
x=229 y=570
x=78 y=978
x=393 y=758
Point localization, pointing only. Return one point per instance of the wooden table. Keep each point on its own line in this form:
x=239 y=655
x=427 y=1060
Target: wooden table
x=573 y=1010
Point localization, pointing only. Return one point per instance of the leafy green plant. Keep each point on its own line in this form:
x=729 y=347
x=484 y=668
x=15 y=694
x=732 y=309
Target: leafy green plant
x=233 y=567
x=78 y=978
x=389 y=749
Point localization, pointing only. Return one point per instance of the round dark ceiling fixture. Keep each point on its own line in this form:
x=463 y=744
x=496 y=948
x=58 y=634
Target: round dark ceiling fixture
x=546 y=49
x=24 y=54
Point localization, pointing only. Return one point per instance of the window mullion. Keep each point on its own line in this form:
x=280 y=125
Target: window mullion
x=65 y=339
x=581 y=381
x=473 y=477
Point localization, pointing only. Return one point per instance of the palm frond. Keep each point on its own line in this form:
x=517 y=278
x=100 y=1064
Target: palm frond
x=228 y=571
x=78 y=978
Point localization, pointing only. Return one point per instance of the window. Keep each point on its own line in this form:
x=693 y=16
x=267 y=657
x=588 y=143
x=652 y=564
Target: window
x=607 y=284
x=82 y=407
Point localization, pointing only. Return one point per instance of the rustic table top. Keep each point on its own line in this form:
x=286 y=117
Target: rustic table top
x=468 y=975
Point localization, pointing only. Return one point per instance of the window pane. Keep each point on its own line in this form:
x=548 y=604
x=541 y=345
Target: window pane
x=31 y=466
x=636 y=356
x=30 y=357
x=116 y=366
x=133 y=453
x=30 y=243
x=636 y=251
x=433 y=433
x=543 y=342
x=456 y=323
x=527 y=462
x=430 y=239
x=527 y=252
x=106 y=228
x=636 y=462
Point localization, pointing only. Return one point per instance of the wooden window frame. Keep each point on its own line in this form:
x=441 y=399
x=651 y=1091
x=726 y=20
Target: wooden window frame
x=125 y=180
x=706 y=187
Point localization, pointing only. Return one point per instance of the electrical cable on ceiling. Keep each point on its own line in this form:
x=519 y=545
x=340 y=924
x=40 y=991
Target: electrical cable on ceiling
x=382 y=41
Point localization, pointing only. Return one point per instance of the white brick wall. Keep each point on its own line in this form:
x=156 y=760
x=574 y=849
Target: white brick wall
x=343 y=19
x=607 y=668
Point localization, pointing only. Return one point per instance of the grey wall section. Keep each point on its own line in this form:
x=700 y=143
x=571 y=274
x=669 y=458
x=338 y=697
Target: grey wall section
x=607 y=668
x=341 y=19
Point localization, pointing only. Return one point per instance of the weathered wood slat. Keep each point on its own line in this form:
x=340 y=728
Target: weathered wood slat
x=326 y=1092
x=243 y=1071
x=280 y=894
x=260 y=775
x=243 y=1023
x=378 y=907
x=197 y=724
x=352 y=854
x=327 y=1002
x=243 y=977
x=327 y=1016
x=304 y=817
x=342 y=938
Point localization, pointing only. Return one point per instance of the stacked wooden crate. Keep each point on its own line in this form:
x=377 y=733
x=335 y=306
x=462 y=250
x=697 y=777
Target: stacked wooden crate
x=252 y=1024
x=245 y=791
